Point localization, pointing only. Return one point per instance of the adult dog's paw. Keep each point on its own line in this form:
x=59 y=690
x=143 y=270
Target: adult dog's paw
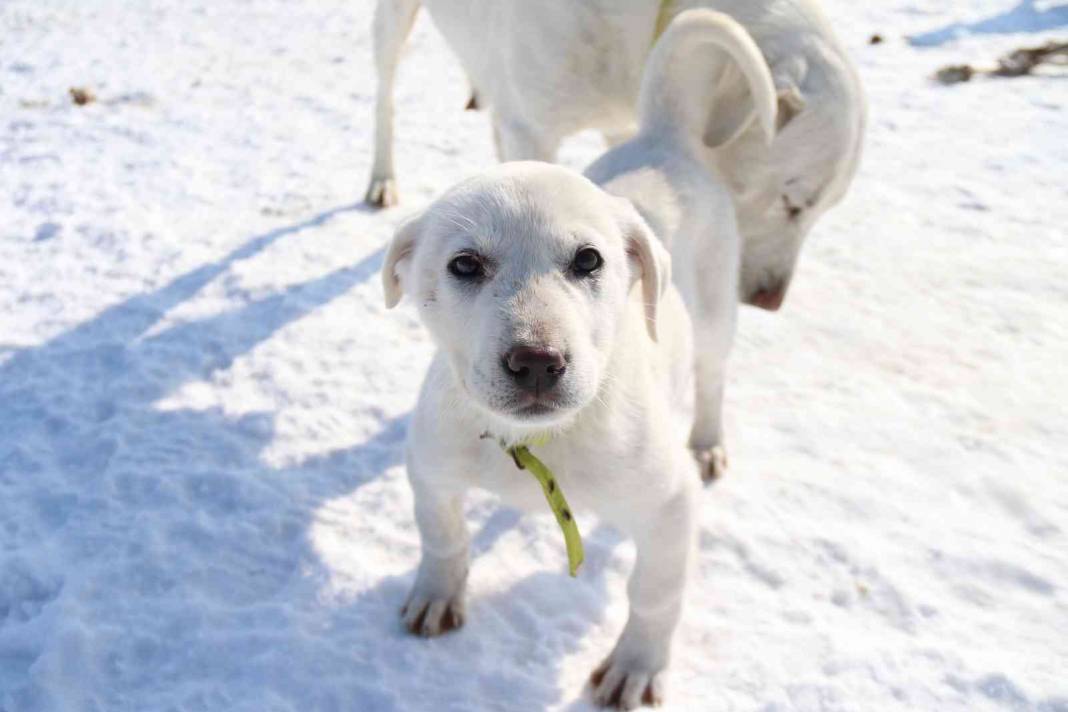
x=382 y=192
x=430 y=617
x=712 y=462
x=626 y=685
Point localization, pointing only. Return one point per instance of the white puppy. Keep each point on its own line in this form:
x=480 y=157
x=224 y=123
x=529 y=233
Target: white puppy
x=552 y=309
x=547 y=69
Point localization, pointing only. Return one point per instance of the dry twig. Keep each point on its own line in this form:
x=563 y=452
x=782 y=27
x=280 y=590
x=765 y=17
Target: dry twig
x=1015 y=64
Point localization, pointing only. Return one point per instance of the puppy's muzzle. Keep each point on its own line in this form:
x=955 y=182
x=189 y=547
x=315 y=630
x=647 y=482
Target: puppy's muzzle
x=535 y=369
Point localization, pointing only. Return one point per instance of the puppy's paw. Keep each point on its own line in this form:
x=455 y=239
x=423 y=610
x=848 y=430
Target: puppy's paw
x=382 y=192
x=436 y=602
x=626 y=685
x=712 y=462
x=430 y=617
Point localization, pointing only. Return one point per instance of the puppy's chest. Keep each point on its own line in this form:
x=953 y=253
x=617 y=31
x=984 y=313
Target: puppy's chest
x=588 y=478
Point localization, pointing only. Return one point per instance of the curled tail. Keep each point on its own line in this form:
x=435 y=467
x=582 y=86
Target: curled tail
x=706 y=78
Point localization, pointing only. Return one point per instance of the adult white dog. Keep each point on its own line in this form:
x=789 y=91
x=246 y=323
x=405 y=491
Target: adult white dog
x=547 y=69
x=528 y=280
x=685 y=200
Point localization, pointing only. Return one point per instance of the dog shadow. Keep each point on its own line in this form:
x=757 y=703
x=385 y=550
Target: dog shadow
x=79 y=417
x=217 y=601
x=1025 y=16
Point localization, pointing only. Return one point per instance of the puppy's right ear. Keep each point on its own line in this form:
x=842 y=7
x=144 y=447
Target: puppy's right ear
x=399 y=253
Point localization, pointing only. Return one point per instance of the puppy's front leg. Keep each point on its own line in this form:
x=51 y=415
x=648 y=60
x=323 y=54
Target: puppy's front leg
x=632 y=674
x=436 y=602
x=393 y=21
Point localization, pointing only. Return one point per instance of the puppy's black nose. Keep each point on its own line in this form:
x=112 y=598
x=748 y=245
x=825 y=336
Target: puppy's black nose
x=535 y=368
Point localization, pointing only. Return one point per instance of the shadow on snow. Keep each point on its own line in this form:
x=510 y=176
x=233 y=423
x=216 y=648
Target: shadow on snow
x=1025 y=16
x=222 y=557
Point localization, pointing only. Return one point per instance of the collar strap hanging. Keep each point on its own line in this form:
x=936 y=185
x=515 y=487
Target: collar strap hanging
x=524 y=459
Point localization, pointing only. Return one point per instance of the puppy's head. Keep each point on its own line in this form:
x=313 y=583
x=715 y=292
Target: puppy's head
x=523 y=277
x=782 y=187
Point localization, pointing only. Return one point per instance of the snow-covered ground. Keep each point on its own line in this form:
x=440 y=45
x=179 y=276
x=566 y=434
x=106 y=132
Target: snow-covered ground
x=203 y=400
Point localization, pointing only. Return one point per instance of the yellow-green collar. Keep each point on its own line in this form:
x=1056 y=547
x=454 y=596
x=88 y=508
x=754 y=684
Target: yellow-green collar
x=526 y=460
x=663 y=18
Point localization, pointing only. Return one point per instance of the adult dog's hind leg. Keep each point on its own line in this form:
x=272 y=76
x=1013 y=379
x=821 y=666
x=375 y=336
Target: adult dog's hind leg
x=706 y=437
x=714 y=323
x=392 y=23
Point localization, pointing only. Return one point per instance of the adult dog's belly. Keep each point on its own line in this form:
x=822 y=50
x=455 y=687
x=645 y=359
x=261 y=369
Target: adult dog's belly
x=564 y=64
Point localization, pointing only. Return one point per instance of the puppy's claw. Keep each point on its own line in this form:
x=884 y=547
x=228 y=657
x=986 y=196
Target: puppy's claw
x=713 y=463
x=608 y=691
x=618 y=688
x=635 y=690
x=452 y=619
x=432 y=619
x=429 y=619
x=382 y=192
x=653 y=695
x=412 y=615
x=597 y=675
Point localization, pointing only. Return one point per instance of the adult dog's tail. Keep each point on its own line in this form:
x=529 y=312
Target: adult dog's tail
x=706 y=78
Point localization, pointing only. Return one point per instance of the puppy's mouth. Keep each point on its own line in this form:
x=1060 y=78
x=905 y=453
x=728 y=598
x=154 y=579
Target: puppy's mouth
x=536 y=410
x=536 y=406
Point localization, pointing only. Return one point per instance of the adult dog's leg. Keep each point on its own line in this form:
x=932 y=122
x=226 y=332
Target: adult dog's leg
x=614 y=138
x=518 y=141
x=632 y=673
x=393 y=21
x=714 y=323
x=436 y=602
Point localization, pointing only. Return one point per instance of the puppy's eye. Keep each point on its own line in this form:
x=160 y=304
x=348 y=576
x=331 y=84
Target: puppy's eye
x=586 y=262
x=466 y=266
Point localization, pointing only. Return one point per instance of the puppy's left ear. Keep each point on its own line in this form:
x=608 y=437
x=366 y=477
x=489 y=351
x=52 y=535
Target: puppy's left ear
x=652 y=261
x=399 y=253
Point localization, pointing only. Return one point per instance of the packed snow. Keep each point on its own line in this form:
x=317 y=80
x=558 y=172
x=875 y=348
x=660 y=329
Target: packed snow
x=203 y=400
